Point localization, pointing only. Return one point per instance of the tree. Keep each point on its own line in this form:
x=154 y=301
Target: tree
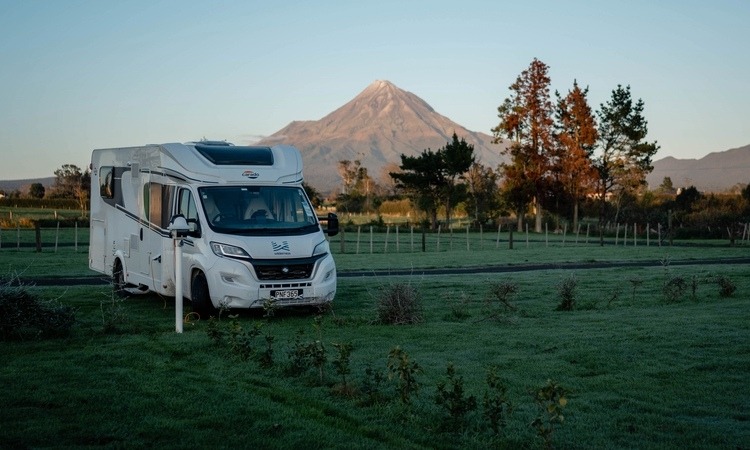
x=70 y=182
x=526 y=120
x=359 y=188
x=483 y=194
x=624 y=158
x=36 y=190
x=576 y=136
x=315 y=198
x=435 y=178
x=457 y=157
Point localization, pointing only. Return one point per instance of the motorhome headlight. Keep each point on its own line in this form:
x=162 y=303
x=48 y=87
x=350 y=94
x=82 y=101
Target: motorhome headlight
x=321 y=249
x=229 y=251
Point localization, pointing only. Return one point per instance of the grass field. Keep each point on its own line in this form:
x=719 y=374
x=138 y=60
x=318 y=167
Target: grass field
x=644 y=370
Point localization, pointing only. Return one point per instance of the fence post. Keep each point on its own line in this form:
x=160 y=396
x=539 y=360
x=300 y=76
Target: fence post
x=38 y=236
x=387 y=233
x=343 y=240
x=565 y=232
x=371 y=239
x=438 y=238
x=587 y=232
x=546 y=235
x=424 y=237
x=359 y=230
x=648 y=235
x=76 y=237
x=497 y=242
x=481 y=237
x=57 y=235
x=397 y=247
x=658 y=229
x=510 y=237
x=617 y=234
x=467 y=238
x=527 y=235
x=625 y=237
x=18 y=237
x=635 y=235
x=578 y=232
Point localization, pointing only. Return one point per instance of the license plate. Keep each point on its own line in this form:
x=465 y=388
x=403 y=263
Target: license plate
x=286 y=293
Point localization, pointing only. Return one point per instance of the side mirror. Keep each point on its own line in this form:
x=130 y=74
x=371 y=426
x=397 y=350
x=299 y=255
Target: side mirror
x=178 y=226
x=333 y=224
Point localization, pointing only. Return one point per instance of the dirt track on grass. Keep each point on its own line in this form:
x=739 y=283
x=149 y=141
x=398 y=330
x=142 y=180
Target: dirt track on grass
x=94 y=280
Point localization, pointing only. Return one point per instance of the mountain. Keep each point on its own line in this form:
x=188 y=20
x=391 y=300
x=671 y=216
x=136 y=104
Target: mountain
x=715 y=172
x=376 y=127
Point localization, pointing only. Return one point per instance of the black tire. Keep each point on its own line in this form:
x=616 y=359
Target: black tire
x=200 y=297
x=118 y=279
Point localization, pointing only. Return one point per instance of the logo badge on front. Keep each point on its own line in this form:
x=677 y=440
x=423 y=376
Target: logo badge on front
x=250 y=174
x=280 y=248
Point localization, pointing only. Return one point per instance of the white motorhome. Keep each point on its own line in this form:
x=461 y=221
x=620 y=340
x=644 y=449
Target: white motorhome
x=253 y=235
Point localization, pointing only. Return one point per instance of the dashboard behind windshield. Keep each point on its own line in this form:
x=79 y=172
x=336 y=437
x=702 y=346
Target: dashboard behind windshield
x=258 y=210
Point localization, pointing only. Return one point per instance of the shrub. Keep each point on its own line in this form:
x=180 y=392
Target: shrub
x=495 y=405
x=674 y=288
x=399 y=304
x=551 y=399
x=726 y=286
x=23 y=316
x=566 y=292
x=405 y=371
x=450 y=395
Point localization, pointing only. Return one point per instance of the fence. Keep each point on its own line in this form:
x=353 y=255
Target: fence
x=369 y=239
x=45 y=238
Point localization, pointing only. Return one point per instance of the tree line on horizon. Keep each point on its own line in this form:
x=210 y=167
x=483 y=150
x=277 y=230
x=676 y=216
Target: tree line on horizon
x=562 y=156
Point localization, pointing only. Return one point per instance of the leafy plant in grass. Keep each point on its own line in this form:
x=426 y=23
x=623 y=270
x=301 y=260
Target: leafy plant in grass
x=550 y=399
x=240 y=341
x=458 y=305
x=726 y=286
x=566 y=292
x=342 y=366
x=405 y=371
x=495 y=405
x=451 y=397
x=674 y=288
x=23 y=316
x=304 y=355
x=266 y=357
x=399 y=304
x=371 y=387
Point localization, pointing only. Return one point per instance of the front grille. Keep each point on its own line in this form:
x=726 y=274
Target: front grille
x=283 y=271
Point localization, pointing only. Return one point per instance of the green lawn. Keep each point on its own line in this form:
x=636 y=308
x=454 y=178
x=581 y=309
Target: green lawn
x=644 y=371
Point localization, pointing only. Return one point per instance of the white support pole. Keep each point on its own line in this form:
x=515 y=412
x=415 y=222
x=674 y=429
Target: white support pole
x=387 y=233
x=178 y=321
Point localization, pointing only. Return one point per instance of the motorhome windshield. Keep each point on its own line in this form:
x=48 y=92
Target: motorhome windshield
x=258 y=210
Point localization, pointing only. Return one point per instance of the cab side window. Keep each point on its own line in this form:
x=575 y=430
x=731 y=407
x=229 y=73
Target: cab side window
x=186 y=207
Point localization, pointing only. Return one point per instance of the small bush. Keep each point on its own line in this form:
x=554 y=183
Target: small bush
x=674 y=288
x=551 y=399
x=566 y=292
x=726 y=286
x=399 y=304
x=451 y=396
x=405 y=371
x=23 y=316
x=495 y=404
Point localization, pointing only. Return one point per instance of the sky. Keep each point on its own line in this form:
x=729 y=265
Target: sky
x=76 y=75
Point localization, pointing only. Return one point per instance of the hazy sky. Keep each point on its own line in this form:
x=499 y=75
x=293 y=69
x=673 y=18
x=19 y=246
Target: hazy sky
x=79 y=75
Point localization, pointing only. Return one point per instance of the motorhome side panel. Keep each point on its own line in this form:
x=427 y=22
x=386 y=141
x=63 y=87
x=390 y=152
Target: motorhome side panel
x=127 y=218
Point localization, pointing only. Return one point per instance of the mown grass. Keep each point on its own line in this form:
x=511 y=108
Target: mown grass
x=643 y=372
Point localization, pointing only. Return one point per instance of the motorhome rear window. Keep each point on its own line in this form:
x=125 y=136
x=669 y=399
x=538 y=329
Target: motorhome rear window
x=222 y=155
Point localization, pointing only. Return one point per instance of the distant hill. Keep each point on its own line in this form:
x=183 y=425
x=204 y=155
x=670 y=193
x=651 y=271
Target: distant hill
x=376 y=127
x=715 y=172
x=23 y=185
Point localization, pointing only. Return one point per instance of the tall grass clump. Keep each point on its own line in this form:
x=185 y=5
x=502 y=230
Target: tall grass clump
x=399 y=304
x=23 y=316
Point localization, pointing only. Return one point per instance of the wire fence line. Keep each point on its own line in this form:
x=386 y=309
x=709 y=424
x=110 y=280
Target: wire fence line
x=368 y=239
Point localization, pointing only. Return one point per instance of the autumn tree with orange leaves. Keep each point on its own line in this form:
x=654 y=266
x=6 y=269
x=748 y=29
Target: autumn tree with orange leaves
x=526 y=121
x=575 y=138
